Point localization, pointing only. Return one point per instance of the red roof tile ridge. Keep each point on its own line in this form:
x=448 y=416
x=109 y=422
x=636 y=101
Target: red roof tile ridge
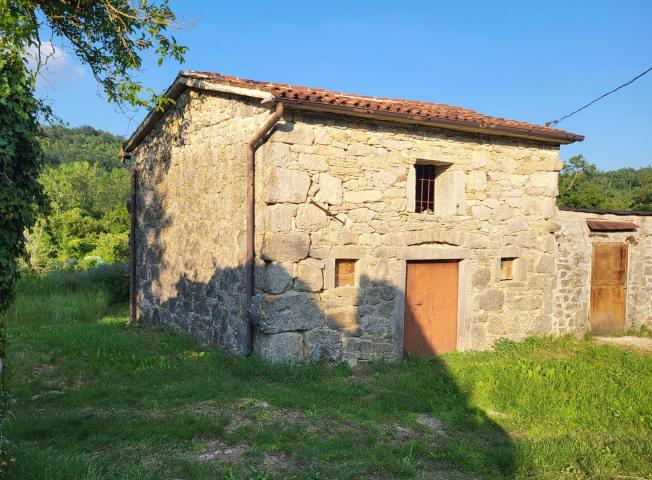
x=414 y=108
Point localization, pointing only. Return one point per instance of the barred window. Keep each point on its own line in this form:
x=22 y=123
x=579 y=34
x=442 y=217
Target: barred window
x=425 y=188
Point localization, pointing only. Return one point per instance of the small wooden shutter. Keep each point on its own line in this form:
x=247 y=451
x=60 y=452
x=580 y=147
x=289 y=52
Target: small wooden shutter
x=506 y=268
x=344 y=272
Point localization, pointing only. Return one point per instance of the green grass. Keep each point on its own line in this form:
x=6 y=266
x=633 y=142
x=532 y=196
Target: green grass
x=98 y=399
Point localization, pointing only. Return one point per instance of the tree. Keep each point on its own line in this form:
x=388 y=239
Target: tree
x=109 y=36
x=583 y=185
x=88 y=216
x=65 y=145
x=86 y=186
x=577 y=186
x=643 y=198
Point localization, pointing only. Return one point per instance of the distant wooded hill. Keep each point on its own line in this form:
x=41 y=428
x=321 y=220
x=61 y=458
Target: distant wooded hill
x=65 y=145
x=582 y=185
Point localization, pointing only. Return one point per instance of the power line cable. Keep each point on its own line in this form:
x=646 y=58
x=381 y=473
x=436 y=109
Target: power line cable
x=555 y=122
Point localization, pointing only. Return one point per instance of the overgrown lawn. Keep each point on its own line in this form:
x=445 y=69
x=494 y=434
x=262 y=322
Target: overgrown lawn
x=97 y=399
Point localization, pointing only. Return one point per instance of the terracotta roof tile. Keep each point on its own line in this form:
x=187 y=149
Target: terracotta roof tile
x=410 y=109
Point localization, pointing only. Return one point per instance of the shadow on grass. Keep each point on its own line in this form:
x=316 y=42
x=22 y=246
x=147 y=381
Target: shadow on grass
x=415 y=417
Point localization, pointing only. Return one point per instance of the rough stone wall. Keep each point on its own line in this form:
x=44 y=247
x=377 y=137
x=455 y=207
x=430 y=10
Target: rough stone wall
x=191 y=218
x=328 y=188
x=572 y=293
x=331 y=187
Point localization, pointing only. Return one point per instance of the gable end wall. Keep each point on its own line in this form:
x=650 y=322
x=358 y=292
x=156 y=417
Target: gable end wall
x=191 y=218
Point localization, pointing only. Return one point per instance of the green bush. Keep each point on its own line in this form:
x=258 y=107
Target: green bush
x=89 y=222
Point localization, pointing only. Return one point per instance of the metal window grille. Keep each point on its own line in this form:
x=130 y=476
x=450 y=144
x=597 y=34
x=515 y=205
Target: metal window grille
x=425 y=191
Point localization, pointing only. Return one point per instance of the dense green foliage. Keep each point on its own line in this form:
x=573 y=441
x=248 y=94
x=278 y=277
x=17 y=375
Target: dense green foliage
x=67 y=145
x=88 y=222
x=20 y=193
x=582 y=185
x=99 y=399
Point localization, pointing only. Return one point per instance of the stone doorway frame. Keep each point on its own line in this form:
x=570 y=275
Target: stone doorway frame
x=464 y=298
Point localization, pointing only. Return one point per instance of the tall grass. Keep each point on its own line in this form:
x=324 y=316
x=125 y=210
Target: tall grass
x=67 y=296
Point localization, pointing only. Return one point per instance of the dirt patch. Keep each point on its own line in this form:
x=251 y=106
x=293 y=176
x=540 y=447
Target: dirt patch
x=279 y=461
x=42 y=369
x=256 y=413
x=216 y=451
x=497 y=414
x=432 y=423
x=637 y=343
x=44 y=394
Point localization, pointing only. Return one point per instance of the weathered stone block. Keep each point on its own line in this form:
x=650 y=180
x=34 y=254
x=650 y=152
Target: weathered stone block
x=481 y=277
x=309 y=277
x=285 y=186
x=323 y=344
x=279 y=217
x=286 y=347
x=377 y=326
x=363 y=196
x=276 y=278
x=344 y=318
x=544 y=180
x=296 y=133
x=330 y=189
x=286 y=246
x=313 y=162
x=284 y=313
x=491 y=300
x=546 y=264
x=311 y=217
x=477 y=180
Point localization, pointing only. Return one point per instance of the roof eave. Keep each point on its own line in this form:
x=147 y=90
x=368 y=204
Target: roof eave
x=448 y=124
x=174 y=91
x=183 y=82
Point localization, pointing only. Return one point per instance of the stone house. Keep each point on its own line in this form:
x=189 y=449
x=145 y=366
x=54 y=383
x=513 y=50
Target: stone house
x=304 y=224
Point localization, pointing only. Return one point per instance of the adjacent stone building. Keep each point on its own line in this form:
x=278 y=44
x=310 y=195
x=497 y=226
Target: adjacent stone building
x=376 y=226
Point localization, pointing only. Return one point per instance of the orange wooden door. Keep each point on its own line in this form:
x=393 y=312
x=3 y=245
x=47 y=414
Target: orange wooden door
x=430 y=325
x=608 y=288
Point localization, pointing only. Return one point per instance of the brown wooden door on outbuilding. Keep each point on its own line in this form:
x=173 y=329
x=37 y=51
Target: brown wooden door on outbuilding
x=430 y=325
x=608 y=288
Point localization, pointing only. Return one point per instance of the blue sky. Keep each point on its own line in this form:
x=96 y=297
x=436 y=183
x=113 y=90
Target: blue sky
x=531 y=61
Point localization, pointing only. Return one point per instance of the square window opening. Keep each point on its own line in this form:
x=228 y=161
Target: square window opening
x=426 y=175
x=507 y=268
x=345 y=272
